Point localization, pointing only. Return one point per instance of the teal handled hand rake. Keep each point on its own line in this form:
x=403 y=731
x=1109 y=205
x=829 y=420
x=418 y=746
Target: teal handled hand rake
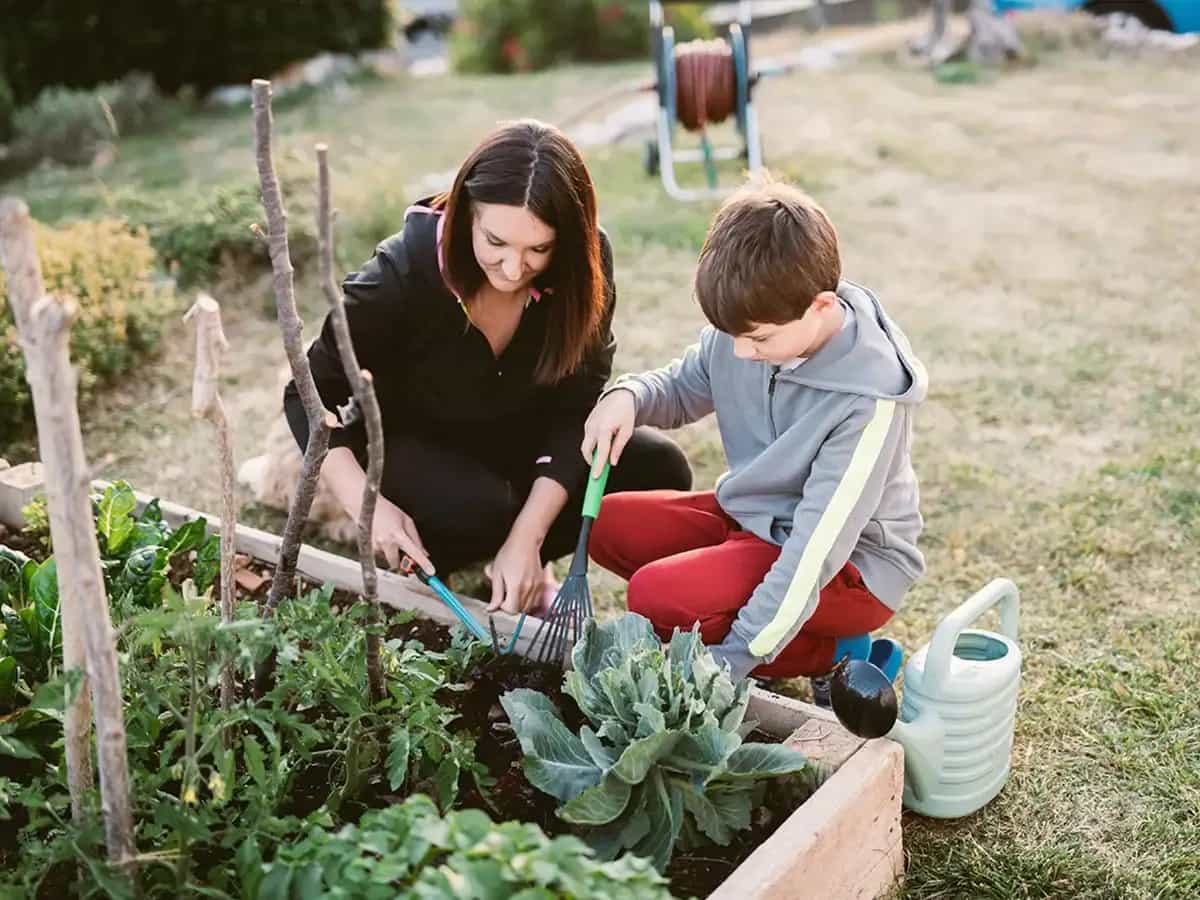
x=409 y=566
x=563 y=624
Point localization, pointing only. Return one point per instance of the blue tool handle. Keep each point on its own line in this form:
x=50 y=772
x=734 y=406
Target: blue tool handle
x=409 y=566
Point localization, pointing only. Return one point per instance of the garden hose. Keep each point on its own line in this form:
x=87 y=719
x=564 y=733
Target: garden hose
x=705 y=83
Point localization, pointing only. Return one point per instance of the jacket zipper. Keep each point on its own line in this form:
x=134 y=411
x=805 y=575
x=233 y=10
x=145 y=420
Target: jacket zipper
x=771 y=401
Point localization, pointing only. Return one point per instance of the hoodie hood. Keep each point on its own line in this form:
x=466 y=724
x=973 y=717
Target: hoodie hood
x=870 y=358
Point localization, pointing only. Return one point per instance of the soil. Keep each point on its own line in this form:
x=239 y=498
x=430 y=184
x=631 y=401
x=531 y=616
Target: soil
x=23 y=543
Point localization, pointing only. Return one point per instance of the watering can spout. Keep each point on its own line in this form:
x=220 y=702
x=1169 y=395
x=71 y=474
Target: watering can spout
x=923 y=740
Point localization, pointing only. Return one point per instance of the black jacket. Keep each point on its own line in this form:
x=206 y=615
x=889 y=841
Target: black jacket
x=436 y=376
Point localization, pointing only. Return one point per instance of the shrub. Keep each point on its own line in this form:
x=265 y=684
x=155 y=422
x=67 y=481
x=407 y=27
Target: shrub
x=62 y=125
x=108 y=270
x=525 y=35
x=82 y=43
x=69 y=126
x=197 y=232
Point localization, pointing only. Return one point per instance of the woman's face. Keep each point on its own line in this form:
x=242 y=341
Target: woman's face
x=511 y=245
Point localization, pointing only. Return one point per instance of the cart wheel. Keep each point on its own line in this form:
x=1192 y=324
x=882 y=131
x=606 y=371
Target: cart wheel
x=650 y=158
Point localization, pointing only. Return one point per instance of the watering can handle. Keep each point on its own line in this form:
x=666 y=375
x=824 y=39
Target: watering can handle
x=999 y=591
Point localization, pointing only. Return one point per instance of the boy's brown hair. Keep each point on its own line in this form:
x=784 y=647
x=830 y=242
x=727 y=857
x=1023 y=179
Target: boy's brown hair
x=770 y=250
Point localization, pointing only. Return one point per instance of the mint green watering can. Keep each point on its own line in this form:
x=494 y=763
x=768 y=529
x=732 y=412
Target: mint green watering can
x=957 y=719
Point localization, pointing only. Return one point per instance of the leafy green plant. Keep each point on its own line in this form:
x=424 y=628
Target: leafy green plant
x=37 y=520
x=31 y=639
x=409 y=851
x=662 y=760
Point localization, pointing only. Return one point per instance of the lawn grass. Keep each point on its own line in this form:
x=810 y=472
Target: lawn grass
x=1035 y=236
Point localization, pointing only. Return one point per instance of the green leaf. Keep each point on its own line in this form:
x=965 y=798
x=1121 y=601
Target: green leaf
x=640 y=756
x=664 y=806
x=255 y=762
x=556 y=761
x=189 y=536
x=720 y=813
x=8 y=682
x=115 y=521
x=763 y=761
x=397 y=761
x=15 y=570
x=603 y=646
x=598 y=805
x=11 y=746
x=447 y=781
x=208 y=563
x=601 y=754
x=44 y=590
x=277 y=883
x=704 y=751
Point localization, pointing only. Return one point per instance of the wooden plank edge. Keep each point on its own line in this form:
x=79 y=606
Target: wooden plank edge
x=844 y=841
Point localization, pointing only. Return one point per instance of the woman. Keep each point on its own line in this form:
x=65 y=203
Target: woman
x=486 y=323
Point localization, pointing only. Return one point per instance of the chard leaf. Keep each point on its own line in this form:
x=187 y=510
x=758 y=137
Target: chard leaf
x=556 y=761
x=44 y=590
x=115 y=521
x=208 y=563
x=8 y=682
x=763 y=761
x=189 y=536
x=15 y=571
x=598 y=805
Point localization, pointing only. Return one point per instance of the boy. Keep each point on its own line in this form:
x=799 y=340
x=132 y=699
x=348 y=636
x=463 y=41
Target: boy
x=810 y=540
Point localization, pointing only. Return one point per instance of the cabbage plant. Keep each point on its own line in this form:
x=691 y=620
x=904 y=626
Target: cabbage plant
x=662 y=758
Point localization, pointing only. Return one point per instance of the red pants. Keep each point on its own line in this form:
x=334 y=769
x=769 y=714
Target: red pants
x=687 y=561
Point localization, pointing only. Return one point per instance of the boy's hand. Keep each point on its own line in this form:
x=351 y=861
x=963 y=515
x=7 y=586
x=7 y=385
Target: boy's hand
x=608 y=429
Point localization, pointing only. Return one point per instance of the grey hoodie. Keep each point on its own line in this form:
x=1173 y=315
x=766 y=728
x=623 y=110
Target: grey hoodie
x=818 y=463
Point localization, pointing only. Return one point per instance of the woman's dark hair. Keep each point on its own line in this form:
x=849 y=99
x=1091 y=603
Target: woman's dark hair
x=535 y=166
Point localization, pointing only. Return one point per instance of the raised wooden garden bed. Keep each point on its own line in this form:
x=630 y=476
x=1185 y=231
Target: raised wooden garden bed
x=843 y=842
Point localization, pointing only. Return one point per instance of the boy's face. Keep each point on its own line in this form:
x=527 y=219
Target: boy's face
x=777 y=344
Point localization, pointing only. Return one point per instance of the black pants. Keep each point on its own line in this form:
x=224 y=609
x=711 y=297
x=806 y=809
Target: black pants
x=463 y=507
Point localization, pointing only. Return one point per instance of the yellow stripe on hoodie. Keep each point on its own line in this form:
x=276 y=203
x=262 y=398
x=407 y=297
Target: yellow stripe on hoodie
x=829 y=526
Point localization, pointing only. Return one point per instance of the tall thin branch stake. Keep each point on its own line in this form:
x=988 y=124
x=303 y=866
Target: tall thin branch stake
x=206 y=404
x=364 y=394
x=320 y=422
x=44 y=325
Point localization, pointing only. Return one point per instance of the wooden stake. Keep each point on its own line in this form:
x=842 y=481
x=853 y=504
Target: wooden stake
x=320 y=421
x=19 y=257
x=44 y=326
x=368 y=405
x=206 y=404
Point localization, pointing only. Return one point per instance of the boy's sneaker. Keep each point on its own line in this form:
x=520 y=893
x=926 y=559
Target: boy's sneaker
x=821 y=687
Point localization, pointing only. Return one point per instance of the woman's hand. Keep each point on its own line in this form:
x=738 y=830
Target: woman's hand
x=394 y=533
x=608 y=429
x=517 y=576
